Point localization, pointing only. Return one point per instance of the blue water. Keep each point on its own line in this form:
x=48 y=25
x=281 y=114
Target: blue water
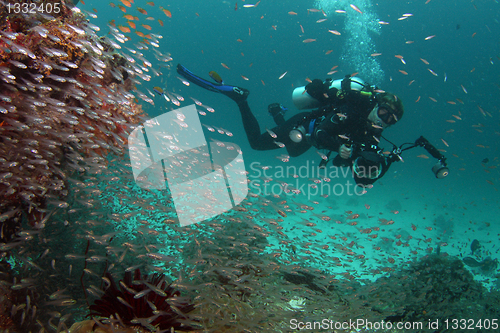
x=464 y=52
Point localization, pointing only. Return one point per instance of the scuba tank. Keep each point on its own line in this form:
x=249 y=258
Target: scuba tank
x=302 y=100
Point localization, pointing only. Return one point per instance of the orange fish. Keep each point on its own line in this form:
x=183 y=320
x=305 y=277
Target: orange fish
x=292 y=13
x=403 y=72
x=145 y=26
x=126 y=3
x=151 y=3
x=167 y=12
x=161 y=22
x=132 y=24
x=142 y=11
x=128 y=17
x=282 y=213
x=123 y=9
x=224 y=65
x=123 y=29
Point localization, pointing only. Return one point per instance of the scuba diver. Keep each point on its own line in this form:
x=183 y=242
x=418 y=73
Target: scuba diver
x=349 y=118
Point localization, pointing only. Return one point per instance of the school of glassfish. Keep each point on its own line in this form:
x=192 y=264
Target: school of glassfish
x=77 y=233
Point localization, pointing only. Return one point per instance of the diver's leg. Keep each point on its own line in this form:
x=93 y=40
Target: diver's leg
x=237 y=94
x=257 y=140
x=276 y=110
x=264 y=141
x=283 y=135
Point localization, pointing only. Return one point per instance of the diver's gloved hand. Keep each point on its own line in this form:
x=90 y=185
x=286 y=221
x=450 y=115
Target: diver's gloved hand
x=345 y=151
x=318 y=90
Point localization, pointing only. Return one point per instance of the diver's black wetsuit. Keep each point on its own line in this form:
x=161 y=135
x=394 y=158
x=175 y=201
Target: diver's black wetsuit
x=264 y=141
x=346 y=117
x=342 y=116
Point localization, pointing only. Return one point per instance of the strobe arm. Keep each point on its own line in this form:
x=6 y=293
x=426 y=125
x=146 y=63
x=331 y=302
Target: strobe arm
x=440 y=169
x=423 y=142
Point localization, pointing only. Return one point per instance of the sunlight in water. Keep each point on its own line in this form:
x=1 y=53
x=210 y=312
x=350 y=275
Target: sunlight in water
x=359 y=45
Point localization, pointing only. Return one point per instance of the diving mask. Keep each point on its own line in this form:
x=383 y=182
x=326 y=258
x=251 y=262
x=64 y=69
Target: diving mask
x=386 y=113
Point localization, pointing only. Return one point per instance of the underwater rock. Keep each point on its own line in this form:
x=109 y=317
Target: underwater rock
x=486 y=265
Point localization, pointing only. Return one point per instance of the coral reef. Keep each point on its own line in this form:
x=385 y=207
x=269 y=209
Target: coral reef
x=434 y=287
x=150 y=302
x=65 y=112
x=89 y=326
x=5 y=299
x=64 y=104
